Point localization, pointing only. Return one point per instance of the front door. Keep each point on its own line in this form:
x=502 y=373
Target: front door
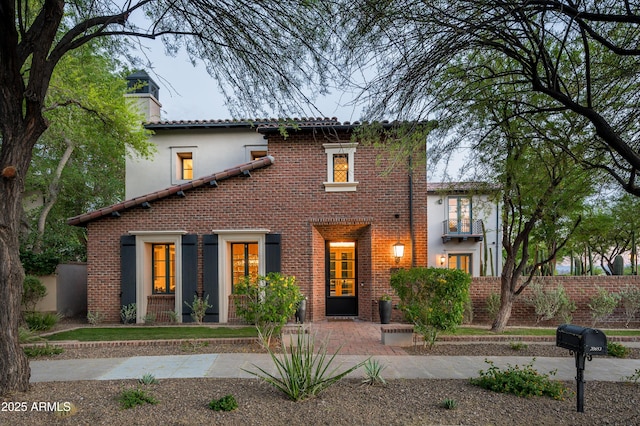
x=341 y=288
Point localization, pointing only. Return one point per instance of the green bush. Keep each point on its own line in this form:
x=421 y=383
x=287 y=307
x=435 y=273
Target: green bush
x=226 y=403
x=373 y=373
x=549 y=303
x=129 y=398
x=301 y=372
x=602 y=304
x=617 y=350
x=40 y=321
x=493 y=305
x=630 y=299
x=128 y=313
x=524 y=382
x=32 y=292
x=198 y=308
x=434 y=299
x=267 y=302
x=41 y=350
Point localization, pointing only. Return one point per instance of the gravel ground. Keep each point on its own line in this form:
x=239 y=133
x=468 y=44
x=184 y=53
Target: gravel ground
x=400 y=402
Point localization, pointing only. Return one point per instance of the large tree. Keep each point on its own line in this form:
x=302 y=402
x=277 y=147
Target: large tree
x=581 y=56
x=264 y=53
x=78 y=162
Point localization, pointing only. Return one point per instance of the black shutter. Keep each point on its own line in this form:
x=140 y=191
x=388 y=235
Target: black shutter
x=272 y=253
x=210 y=276
x=189 y=273
x=127 y=269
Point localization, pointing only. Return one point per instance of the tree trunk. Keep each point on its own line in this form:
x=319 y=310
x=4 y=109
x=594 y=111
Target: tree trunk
x=506 y=303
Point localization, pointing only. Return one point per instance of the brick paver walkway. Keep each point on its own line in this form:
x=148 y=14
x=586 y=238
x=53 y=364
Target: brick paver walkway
x=352 y=336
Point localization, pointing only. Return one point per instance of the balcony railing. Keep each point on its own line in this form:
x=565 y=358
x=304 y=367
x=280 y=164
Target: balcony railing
x=461 y=230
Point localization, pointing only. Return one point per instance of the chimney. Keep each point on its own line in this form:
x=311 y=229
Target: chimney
x=144 y=92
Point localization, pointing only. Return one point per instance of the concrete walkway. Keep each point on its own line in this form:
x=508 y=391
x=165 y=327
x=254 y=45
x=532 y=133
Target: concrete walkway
x=357 y=341
x=233 y=365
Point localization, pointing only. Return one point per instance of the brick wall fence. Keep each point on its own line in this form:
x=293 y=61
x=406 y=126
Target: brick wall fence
x=580 y=290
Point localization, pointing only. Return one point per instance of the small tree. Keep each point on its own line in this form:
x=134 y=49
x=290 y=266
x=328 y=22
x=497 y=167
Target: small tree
x=630 y=299
x=268 y=302
x=198 y=308
x=33 y=292
x=433 y=299
x=602 y=304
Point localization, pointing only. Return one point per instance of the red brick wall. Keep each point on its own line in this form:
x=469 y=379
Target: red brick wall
x=288 y=198
x=580 y=289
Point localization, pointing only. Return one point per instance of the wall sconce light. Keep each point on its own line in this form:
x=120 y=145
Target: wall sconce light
x=442 y=260
x=398 y=251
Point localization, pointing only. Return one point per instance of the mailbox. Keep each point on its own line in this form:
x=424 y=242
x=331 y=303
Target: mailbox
x=581 y=340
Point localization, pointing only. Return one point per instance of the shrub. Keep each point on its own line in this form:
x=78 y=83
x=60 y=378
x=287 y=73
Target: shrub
x=630 y=299
x=518 y=346
x=95 y=318
x=373 y=373
x=301 y=372
x=226 y=403
x=449 y=404
x=40 y=321
x=602 y=304
x=128 y=313
x=493 y=305
x=45 y=350
x=549 y=303
x=32 y=292
x=267 y=302
x=433 y=299
x=129 y=398
x=617 y=350
x=198 y=308
x=524 y=382
x=149 y=318
x=173 y=316
x=148 y=379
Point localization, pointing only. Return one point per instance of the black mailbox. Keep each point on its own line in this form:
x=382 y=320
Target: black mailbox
x=582 y=340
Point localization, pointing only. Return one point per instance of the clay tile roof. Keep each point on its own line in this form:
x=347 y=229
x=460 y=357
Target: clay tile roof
x=83 y=219
x=460 y=187
x=244 y=123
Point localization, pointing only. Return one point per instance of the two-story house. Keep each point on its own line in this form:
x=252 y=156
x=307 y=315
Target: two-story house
x=225 y=199
x=464 y=227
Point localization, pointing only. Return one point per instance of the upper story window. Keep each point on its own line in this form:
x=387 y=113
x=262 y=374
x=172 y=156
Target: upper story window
x=183 y=164
x=460 y=217
x=186 y=165
x=340 y=167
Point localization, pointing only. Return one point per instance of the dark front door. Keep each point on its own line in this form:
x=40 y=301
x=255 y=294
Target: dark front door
x=341 y=288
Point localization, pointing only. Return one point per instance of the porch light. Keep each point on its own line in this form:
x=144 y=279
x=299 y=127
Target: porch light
x=398 y=251
x=442 y=260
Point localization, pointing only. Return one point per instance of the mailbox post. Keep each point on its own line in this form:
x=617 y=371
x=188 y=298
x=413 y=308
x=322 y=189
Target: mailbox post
x=583 y=343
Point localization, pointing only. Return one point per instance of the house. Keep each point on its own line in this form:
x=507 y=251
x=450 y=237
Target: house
x=464 y=228
x=225 y=199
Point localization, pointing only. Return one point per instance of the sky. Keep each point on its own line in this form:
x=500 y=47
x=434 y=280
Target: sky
x=190 y=93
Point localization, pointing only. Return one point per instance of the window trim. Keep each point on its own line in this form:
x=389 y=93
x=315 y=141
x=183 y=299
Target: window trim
x=332 y=149
x=225 y=238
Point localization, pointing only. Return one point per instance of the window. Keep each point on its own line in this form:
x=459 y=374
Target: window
x=163 y=260
x=186 y=165
x=340 y=167
x=460 y=215
x=461 y=261
x=258 y=154
x=244 y=262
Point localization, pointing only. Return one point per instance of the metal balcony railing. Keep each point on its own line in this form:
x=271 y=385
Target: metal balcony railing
x=461 y=230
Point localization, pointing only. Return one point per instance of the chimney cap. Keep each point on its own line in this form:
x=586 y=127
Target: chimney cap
x=140 y=82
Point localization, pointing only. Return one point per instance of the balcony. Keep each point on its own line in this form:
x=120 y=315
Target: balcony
x=461 y=230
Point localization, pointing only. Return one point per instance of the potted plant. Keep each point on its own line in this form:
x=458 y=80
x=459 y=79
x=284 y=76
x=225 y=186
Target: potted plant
x=384 y=308
x=301 y=311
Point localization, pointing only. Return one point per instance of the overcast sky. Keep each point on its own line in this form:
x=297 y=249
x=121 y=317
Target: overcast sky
x=189 y=93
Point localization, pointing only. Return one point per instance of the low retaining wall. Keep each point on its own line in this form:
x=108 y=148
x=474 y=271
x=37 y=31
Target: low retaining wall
x=580 y=290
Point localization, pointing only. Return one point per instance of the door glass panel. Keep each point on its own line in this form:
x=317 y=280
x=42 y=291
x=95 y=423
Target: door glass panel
x=342 y=274
x=244 y=261
x=460 y=261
